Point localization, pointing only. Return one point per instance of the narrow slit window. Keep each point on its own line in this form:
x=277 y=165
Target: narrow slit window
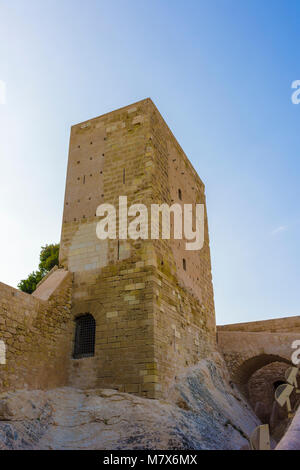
x=85 y=331
x=179 y=194
x=184 y=264
x=123 y=175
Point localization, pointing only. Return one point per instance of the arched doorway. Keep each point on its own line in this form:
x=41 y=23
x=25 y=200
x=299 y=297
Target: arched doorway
x=258 y=378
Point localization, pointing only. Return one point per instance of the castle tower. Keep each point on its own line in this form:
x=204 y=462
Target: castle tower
x=151 y=300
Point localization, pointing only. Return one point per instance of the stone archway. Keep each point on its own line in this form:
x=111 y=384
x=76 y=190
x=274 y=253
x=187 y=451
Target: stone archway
x=245 y=352
x=256 y=354
x=261 y=388
x=257 y=378
x=243 y=373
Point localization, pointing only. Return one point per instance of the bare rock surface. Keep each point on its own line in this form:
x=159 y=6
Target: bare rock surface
x=203 y=411
x=291 y=439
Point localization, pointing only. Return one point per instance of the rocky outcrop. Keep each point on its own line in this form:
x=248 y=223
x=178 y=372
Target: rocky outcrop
x=203 y=412
x=291 y=440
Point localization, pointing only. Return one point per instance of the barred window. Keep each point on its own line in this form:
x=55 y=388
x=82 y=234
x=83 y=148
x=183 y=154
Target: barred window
x=84 y=336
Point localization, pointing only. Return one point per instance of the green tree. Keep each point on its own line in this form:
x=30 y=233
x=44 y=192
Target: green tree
x=48 y=259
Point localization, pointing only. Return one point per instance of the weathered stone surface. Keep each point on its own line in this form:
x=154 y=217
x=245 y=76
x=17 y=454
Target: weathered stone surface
x=37 y=333
x=257 y=355
x=202 y=412
x=24 y=405
x=50 y=284
x=247 y=347
x=154 y=314
x=291 y=440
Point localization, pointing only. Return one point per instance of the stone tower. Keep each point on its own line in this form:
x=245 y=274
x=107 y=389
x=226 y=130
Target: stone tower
x=152 y=300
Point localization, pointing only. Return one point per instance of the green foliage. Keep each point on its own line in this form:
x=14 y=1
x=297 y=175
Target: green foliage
x=29 y=285
x=48 y=259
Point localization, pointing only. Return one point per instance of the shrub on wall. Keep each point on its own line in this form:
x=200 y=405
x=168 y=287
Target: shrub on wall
x=48 y=259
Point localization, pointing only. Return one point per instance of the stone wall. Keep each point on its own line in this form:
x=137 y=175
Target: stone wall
x=112 y=278
x=246 y=352
x=285 y=324
x=152 y=316
x=248 y=347
x=37 y=337
x=184 y=317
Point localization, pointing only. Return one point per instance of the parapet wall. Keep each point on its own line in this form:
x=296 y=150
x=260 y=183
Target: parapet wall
x=286 y=324
x=36 y=334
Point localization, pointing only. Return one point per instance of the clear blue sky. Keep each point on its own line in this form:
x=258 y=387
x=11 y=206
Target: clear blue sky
x=220 y=72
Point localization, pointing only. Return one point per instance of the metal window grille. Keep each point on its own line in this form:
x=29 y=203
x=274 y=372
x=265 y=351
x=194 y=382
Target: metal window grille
x=84 y=336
